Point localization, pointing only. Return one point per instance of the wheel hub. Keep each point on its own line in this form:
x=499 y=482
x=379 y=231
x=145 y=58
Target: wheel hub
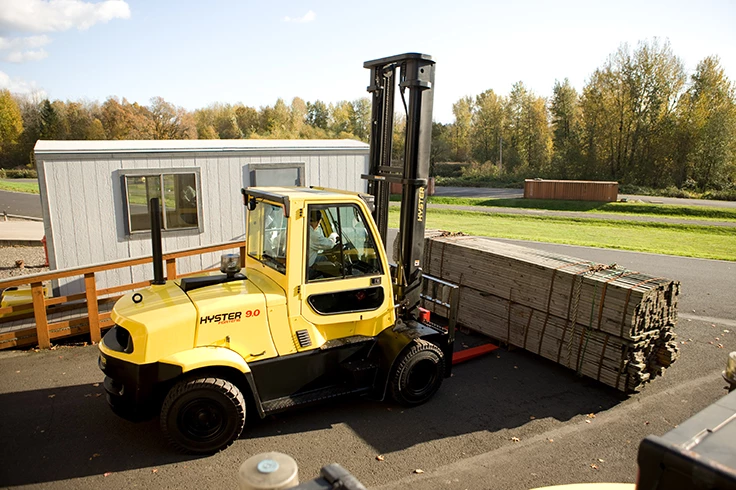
x=201 y=419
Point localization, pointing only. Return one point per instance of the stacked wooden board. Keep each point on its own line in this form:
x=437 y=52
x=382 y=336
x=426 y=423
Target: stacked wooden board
x=603 y=321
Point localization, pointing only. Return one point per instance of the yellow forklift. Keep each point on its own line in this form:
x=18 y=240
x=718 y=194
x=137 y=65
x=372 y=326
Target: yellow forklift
x=317 y=313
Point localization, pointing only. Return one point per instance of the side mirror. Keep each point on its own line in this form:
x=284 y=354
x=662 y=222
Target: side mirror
x=249 y=203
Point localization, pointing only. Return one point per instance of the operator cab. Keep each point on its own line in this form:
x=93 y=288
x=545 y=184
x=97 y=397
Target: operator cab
x=322 y=245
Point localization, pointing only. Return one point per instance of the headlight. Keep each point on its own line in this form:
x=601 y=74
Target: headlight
x=118 y=339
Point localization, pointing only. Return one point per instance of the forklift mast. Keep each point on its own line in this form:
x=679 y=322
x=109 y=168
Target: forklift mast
x=413 y=72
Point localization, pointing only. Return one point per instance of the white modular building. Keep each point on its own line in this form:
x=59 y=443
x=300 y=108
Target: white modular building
x=94 y=194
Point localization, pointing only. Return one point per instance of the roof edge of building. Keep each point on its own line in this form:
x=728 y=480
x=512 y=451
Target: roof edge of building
x=173 y=146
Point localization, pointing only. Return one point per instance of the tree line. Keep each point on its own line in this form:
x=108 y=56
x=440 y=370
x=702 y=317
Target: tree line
x=26 y=119
x=638 y=120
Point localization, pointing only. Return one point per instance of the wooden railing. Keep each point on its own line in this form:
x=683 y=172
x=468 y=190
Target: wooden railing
x=92 y=321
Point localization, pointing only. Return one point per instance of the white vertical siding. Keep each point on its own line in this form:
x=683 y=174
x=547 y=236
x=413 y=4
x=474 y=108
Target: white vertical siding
x=86 y=220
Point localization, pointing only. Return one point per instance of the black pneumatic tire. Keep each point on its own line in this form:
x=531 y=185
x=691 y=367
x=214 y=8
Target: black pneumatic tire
x=418 y=374
x=203 y=416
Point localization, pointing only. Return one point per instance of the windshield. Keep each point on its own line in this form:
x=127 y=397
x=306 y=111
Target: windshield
x=339 y=244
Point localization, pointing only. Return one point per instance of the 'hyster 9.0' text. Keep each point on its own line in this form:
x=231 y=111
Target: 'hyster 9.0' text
x=221 y=317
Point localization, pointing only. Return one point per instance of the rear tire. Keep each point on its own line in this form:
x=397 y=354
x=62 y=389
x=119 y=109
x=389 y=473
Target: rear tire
x=418 y=374
x=203 y=416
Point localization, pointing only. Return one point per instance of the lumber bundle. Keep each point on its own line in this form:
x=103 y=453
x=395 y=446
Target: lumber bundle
x=603 y=321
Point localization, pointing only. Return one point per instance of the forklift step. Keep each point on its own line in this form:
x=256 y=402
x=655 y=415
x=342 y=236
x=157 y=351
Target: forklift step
x=359 y=366
x=286 y=402
x=360 y=372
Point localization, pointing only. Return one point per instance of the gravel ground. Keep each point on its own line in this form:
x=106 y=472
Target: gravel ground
x=33 y=259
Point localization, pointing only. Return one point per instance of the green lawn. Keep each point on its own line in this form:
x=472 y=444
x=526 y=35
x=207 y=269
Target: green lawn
x=630 y=208
x=708 y=242
x=10 y=185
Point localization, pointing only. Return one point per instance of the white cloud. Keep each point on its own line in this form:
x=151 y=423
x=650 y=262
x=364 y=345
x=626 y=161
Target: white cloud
x=20 y=43
x=22 y=16
x=20 y=86
x=22 y=56
x=24 y=48
x=57 y=15
x=308 y=17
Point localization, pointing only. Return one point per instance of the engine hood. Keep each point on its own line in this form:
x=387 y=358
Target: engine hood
x=164 y=320
x=234 y=315
x=160 y=320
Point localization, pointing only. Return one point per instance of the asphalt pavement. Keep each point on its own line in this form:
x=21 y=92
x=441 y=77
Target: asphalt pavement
x=58 y=433
x=20 y=204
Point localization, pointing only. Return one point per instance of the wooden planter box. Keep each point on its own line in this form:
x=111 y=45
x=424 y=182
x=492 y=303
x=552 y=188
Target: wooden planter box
x=396 y=187
x=571 y=190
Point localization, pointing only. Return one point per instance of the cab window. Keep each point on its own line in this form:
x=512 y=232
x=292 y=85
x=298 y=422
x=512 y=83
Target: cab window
x=340 y=244
x=267 y=235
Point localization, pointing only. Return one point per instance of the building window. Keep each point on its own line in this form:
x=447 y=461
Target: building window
x=178 y=192
x=277 y=175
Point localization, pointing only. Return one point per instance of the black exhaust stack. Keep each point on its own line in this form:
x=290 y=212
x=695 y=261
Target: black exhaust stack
x=158 y=255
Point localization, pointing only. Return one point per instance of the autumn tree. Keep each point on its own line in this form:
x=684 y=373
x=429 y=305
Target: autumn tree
x=528 y=151
x=487 y=127
x=566 y=131
x=361 y=118
x=11 y=126
x=275 y=120
x=707 y=128
x=83 y=121
x=441 y=149
x=247 y=119
x=318 y=114
x=170 y=122
x=297 y=117
x=217 y=121
x=463 y=112
x=628 y=114
x=123 y=120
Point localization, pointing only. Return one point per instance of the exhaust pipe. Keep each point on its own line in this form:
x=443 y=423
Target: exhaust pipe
x=158 y=256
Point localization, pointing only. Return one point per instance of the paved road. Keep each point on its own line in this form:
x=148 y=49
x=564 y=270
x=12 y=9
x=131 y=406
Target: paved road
x=21 y=204
x=58 y=433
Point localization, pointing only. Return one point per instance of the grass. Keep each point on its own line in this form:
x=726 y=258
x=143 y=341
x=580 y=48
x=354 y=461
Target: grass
x=625 y=208
x=27 y=187
x=708 y=242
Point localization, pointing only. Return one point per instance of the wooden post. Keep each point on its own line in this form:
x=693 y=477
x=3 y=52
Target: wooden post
x=90 y=289
x=170 y=269
x=39 y=311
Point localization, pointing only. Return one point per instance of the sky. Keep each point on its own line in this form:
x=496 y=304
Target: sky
x=196 y=53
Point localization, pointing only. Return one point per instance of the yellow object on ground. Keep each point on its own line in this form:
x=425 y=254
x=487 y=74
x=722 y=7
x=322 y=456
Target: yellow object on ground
x=591 y=486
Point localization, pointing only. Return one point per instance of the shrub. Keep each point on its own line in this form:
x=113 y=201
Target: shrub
x=722 y=195
x=448 y=169
x=19 y=173
x=675 y=192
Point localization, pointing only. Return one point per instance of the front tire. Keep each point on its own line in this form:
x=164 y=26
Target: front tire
x=203 y=416
x=418 y=374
